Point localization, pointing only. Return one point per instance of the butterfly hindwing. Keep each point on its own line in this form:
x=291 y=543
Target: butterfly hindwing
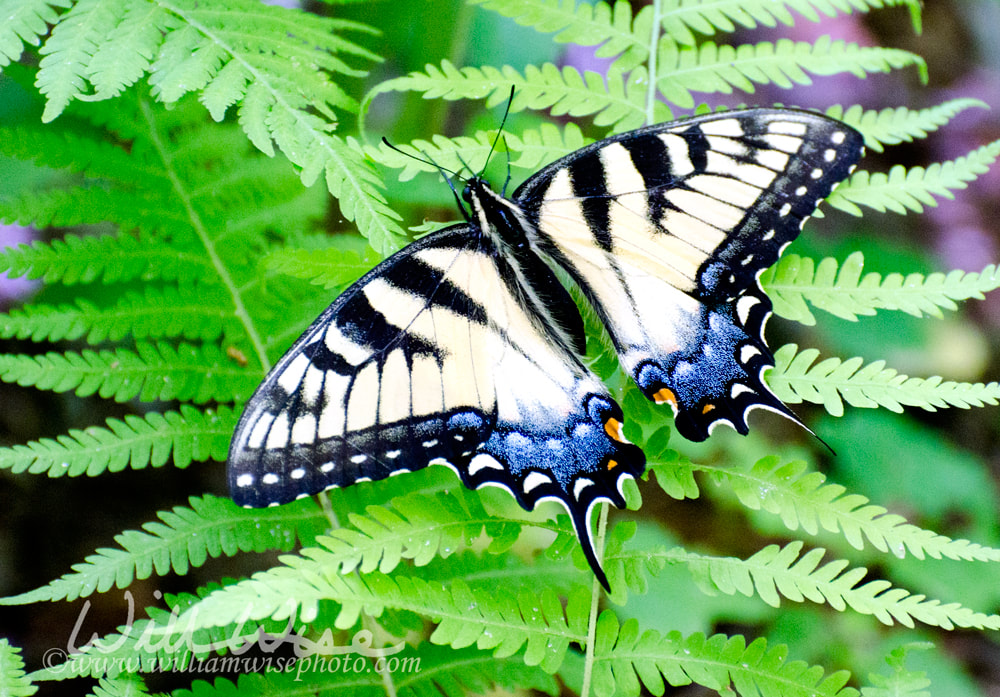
x=450 y=353
x=666 y=229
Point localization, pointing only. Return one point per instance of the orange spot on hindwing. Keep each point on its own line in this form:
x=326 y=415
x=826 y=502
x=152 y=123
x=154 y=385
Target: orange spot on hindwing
x=613 y=427
x=612 y=464
x=665 y=396
x=707 y=408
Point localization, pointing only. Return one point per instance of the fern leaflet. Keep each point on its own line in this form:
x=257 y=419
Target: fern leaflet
x=13 y=681
x=834 y=381
x=803 y=499
x=900 y=125
x=713 y=68
x=783 y=571
x=183 y=437
x=841 y=290
x=183 y=538
x=628 y=658
x=903 y=189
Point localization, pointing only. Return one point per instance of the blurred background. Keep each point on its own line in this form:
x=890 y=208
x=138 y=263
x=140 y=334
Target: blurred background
x=938 y=469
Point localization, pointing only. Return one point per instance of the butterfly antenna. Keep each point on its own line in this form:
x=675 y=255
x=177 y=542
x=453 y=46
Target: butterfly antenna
x=447 y=174
x=503 y=121
x=506 y=182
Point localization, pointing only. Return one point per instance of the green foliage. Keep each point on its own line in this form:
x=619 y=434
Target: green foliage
x=187 y=262
x=841 y=290
x=13 y=681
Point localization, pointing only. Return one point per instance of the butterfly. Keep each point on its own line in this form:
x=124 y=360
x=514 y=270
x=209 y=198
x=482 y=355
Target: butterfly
x=464 y=348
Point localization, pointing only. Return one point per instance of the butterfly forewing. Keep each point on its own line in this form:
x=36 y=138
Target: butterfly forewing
x=666 y=230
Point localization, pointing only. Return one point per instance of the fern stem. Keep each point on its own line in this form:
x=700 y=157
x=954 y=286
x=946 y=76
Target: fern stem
x=654 y=37
x=198 y=225
x=595 y=596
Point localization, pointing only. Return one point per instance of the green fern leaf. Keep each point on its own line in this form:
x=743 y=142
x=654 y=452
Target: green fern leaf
x=434 y=672
x=900 y=125
x=683 y=18
x=803 y=499
x=126 y=52
x=618 y=103
x=611 y=27
x=25 y=23
x=417 y=527
x=713 y=68
x=625 y=656
x=499 y=620
x=183 y=538
x=841 y=290
x=152 y=372
x=834 y=381
x=903 y=189
x=193 y=312
x=330 y=268
x=776 y=572
x=13 y=681
x=136 y=442
x=108 y=258
x=127 y=685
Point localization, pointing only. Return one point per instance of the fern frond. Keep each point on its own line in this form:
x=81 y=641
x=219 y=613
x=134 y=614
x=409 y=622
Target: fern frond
x=186 y=47
x=803 y=499
x=712 y=68
x=776 y=572
x=612 y=27
x=841 y=290
x=193 y=312
x=13 y=681
x=903 y=190
x=683 y=18
x=184 y=538
x=153 y=371
x=137 y=442
x=626 y=656
x=618 y=103
x=418 y=527
x=127 y=685
x=25 y=23
x=833 y=381
x=439 y=672
x=533 y=619
x=900 y=125
x=107 y=258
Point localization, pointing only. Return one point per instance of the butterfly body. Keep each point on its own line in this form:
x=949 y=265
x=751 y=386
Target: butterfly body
x=464 y=348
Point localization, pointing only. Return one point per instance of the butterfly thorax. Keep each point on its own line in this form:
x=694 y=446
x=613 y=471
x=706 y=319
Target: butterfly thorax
x=500 y=218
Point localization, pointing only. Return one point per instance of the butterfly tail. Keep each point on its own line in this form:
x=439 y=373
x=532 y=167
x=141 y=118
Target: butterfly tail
x=581 y=524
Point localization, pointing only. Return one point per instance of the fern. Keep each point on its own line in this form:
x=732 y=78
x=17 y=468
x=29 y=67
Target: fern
x=776 y=572
x=840 y=288
x=185 y=537
x=903 y=189
x=628 y=656
x=803 y=499
x=13 y=681
x=712 y=68
x=833 y=381
x=900 y=125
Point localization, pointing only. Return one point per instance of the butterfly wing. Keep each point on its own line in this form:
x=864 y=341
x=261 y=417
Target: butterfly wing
x=443 y=354
x=666 y=229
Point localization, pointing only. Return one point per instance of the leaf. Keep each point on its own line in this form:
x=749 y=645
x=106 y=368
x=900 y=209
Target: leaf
x=183 y=538
x=136 y=442
x=13 y=681
x=842 y=290
x=833 y=381
x=900 y=125
x=903 y=190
